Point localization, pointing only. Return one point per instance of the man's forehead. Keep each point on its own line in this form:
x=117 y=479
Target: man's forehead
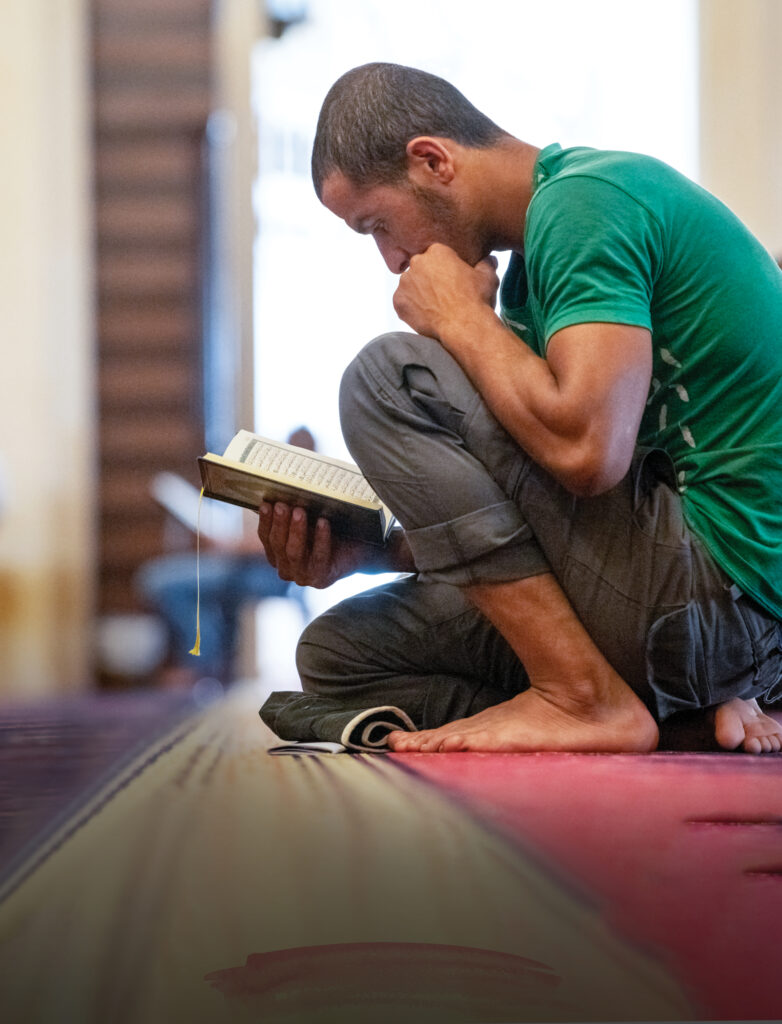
x=351 y=202
x=339 y=193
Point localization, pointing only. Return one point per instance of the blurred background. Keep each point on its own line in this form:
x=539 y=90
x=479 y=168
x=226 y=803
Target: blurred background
x=168 y=275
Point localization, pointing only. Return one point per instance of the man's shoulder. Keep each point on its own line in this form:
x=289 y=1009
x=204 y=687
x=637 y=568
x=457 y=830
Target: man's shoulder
x=629 y=171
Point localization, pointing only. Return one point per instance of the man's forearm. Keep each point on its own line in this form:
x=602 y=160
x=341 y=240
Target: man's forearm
x=440 y=296
x=577 y=412
x=519 y=388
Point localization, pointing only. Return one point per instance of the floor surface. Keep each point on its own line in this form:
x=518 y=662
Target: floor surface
x=156 y=864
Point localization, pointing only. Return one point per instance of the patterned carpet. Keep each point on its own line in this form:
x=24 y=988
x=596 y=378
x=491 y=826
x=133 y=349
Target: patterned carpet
x=682 y=853
x=55 y=752
x=196 y=878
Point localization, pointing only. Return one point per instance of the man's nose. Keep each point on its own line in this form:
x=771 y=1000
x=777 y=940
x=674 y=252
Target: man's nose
x=396 y=259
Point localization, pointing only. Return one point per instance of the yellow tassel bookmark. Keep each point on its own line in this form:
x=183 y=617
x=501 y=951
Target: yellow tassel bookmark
x=196 y=648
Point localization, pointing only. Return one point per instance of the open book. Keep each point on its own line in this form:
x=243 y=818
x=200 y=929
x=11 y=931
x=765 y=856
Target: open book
x=254 y=469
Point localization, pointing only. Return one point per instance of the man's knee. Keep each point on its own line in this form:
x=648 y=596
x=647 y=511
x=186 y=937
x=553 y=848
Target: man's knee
x=399 y=385
x=379 y=361
x=370 y=387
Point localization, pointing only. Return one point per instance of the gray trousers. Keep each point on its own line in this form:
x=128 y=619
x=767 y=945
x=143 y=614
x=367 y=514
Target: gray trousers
x=477 y=509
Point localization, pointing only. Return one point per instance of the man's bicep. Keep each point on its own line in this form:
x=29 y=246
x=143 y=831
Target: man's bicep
x=603 y=371
x=597 y=360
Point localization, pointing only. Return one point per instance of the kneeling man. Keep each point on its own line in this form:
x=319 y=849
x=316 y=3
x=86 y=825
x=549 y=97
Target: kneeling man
x=588 y=483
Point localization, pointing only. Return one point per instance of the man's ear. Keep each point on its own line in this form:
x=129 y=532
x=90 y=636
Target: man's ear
x=430 y=160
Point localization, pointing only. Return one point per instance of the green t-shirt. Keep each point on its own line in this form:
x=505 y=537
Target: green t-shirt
x=622 y=238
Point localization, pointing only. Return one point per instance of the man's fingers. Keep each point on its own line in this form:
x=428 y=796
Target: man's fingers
x=309 y=557
x=320 y=559
x=278 y=531
x=291 y=548
x=487 y=268
x=264 y=527
x=296 y=543
x=274 y=525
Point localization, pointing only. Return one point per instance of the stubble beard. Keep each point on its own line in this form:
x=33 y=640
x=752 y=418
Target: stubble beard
x=451 y=227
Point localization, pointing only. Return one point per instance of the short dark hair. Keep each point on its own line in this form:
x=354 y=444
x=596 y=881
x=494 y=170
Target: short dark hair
x=372 y=112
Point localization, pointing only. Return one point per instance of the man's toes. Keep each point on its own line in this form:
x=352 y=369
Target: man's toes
x=420 y=740
x=399 y=740
x=730 y=734
x=452 y=743
x=762 y=744
x=432 y=743
x=769 y=743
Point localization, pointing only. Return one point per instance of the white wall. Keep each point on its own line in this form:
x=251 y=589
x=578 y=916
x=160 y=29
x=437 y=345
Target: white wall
x=741 y=111
x=46 y=393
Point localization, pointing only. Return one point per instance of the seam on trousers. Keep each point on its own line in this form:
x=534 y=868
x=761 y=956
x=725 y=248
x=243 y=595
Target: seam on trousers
x=487 y=530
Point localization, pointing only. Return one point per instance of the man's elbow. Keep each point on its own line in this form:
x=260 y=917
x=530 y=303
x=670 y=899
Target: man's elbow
x=592 y=485
x=593 y=472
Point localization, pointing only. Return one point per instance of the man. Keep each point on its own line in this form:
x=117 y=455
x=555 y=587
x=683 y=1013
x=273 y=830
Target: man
x=590 y=484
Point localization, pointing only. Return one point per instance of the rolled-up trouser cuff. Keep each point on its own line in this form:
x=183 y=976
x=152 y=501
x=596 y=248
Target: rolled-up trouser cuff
x=488 y=545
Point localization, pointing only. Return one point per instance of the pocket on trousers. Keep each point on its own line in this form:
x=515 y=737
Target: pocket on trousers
x=766 y=633
x=675 y=664
x=699 y=656
x=424 y=390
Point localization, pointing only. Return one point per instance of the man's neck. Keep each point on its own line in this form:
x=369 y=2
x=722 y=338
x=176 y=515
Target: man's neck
x=504 y=177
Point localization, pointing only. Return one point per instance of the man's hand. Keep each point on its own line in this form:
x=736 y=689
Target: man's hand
x=311 y=558
x=439 y=287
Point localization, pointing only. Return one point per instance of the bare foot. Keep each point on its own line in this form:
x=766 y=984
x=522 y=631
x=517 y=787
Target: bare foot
x=576 y=700
x=741 y=723
x=532 y=720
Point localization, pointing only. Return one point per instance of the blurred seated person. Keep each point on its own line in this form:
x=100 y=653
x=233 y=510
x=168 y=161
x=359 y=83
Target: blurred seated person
x=233 y=572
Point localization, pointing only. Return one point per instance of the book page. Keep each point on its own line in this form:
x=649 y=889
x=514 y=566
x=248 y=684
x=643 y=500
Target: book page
x=308 y=468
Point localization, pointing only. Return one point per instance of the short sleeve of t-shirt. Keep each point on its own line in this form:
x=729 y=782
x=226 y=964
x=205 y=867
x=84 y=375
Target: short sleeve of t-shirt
x=592 y=253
